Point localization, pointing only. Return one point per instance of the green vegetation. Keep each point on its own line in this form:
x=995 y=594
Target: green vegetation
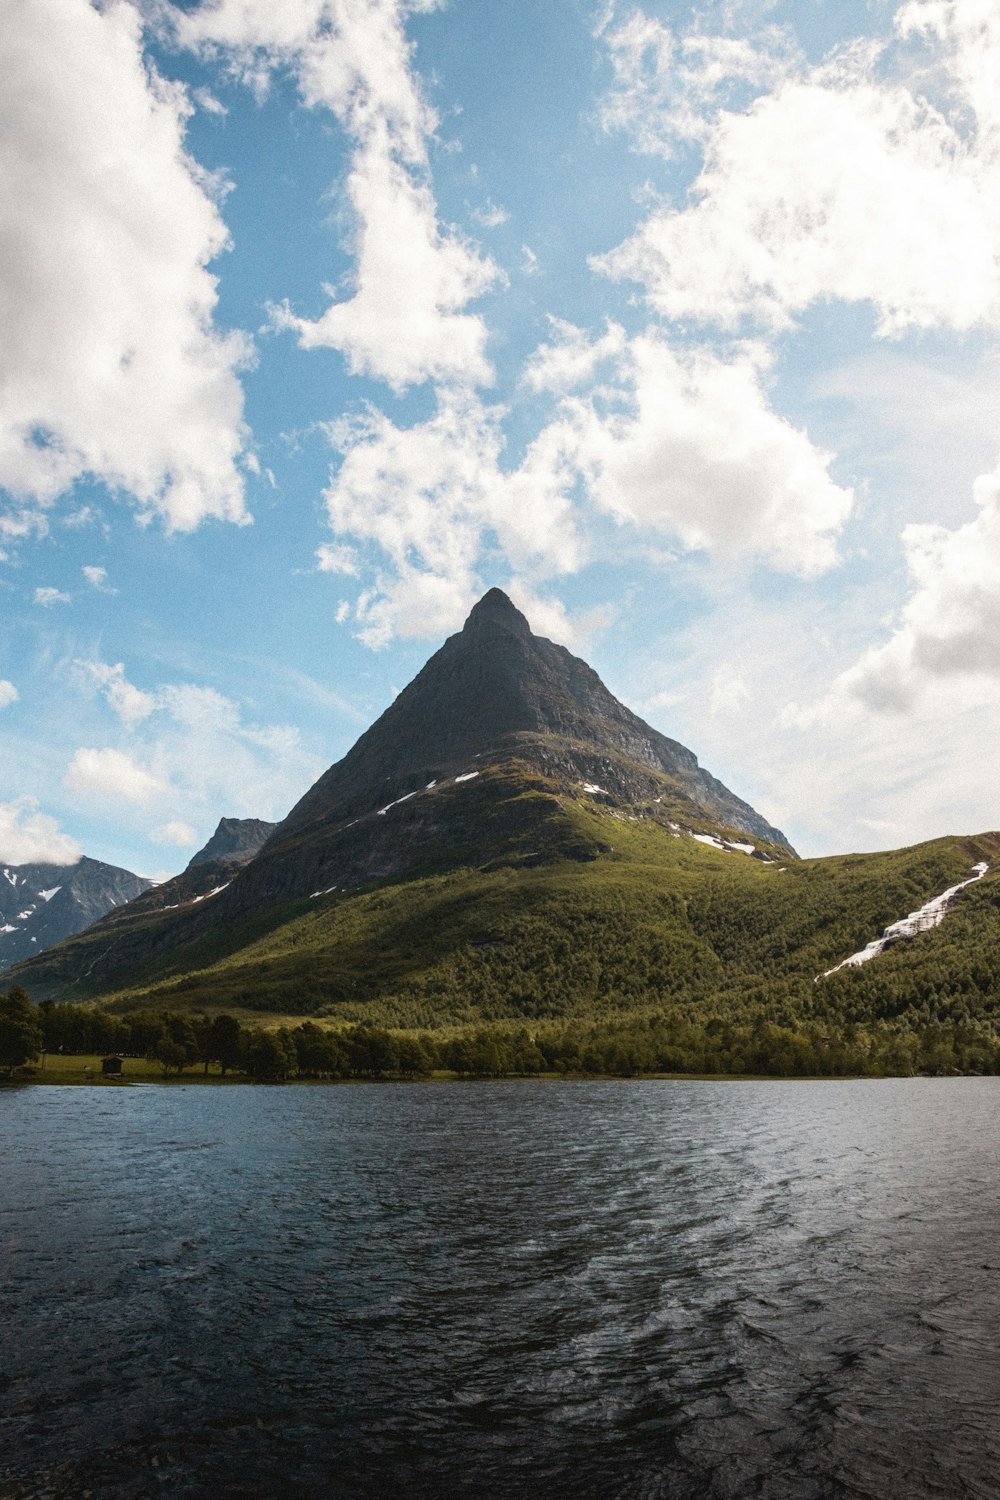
x=656 y=923
x=73 y=1039
x=20 y=1034
x=642 y=951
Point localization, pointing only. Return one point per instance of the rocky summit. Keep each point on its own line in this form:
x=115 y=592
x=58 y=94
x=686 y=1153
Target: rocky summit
x=492 y=757
x=496 y=704
x=42 y=904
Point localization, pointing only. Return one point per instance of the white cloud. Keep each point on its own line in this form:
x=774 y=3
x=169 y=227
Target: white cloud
x=98 y=579
x=111 y=774
x=130 y=703
x=949 y=629
x=431 y=497
x=572 y=358
x=404 y=322
x=351 y=57
x=197 y=743
x=693 y=449
x=666 y=87
x=110 y=363
x=490 y=215
x=180 y=834
x=842 y=184
x=8 y=693
x=48 y=596
x=28 y=837
x=671 y=442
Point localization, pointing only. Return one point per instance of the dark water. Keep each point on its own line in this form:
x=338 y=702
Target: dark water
x=597 y=1289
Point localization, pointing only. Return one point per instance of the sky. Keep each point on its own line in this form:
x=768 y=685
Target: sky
x=321 y=317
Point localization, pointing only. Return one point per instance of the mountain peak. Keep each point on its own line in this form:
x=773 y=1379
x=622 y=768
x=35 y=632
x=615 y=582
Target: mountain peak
x=494 y=608
x=235 y=841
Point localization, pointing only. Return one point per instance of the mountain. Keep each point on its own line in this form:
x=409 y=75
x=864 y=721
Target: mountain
x=484 y=759
x=508 y=841
x=125 y=933
x=41 y=904
x=496 y=701
x=234 y=842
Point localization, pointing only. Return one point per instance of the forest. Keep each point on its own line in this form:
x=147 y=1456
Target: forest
x=630 y=1046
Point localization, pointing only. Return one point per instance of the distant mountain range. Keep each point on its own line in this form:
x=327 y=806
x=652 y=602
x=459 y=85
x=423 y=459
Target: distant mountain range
x=42 y=904
x=509 y=840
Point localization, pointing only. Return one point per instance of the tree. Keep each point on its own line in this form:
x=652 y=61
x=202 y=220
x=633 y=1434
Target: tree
x=268 y=1055
x=20 y=1033
x=222 y=1042
x=177 y=1045
x=318 y=1051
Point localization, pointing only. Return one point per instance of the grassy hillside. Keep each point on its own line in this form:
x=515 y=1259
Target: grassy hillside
x=639 y=919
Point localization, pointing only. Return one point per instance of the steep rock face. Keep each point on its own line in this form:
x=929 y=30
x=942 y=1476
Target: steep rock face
x=233 y=845
x=42 y=904
x=494 y=695
x=477 y=761
x=235 y=841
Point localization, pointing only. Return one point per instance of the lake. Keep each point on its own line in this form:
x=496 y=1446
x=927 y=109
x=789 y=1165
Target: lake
x=639 y=1289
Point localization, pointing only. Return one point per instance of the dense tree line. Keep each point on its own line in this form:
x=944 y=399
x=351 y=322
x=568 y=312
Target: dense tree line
x=769 y=1041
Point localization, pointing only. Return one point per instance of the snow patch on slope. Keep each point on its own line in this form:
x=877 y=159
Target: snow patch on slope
x=921 y=920
x=730 y=846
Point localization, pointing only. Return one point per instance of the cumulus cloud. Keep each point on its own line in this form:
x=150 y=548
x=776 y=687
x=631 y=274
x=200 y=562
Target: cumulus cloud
x=666 y=87
x=111 y=774
x=98 y=579
x=182 y=835
x=692 y=448
x=677 y=442
x=47 y=596
x=111 y=364
x=848 y=181
x=403 y=322
x=572 y=357
x=430 y=497
x=130 y=703
x=8 y=693
x=28 y=837
x=949 y=628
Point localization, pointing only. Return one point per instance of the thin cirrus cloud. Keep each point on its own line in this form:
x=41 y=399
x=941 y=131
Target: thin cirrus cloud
x=111 y=364
x=404 y=321
x=176 y=834
x=206 y=753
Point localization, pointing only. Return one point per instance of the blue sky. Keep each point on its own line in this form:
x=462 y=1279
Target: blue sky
x=324 y=316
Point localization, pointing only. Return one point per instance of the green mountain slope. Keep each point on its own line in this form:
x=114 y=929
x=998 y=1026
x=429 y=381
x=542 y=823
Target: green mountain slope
x=510 y=843
x=652 y=921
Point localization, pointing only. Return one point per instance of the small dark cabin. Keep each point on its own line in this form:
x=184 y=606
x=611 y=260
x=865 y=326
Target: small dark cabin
x=111 y=1066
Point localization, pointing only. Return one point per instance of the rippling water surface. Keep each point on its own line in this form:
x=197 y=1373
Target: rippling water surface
x=585 y=1289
